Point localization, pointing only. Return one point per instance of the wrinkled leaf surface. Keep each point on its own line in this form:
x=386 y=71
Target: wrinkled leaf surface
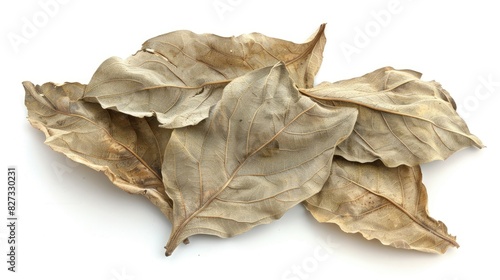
x=388 y=204
x=179 y=76
x=263 y=149
x=402 y=120
x=128 y=150
x=205 y=58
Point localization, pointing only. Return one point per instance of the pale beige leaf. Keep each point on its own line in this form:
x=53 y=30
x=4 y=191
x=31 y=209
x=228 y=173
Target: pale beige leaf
x=205 y=58
x=402 y=120
x=179 y=76
x=388 y=204
x=140 y=86
x=128 y=150
x=263 y=149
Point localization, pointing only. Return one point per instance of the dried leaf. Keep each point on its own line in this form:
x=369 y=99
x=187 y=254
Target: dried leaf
x=263 y=149
x=216 y=132
x=128 y=150
x=131 y=88
x=205 y=58
x=402 y=120
x=179 y=76
x=388 y=204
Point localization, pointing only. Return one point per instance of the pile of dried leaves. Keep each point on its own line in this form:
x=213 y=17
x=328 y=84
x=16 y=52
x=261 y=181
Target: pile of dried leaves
x=224 y=134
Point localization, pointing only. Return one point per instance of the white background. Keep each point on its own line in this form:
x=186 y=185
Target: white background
x=74 y=224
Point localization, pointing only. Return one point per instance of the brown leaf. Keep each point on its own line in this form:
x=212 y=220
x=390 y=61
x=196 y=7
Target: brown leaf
x=128 y=150
x=179 y=76
x=402 y=120
x=388 y=204
x=263 y=149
